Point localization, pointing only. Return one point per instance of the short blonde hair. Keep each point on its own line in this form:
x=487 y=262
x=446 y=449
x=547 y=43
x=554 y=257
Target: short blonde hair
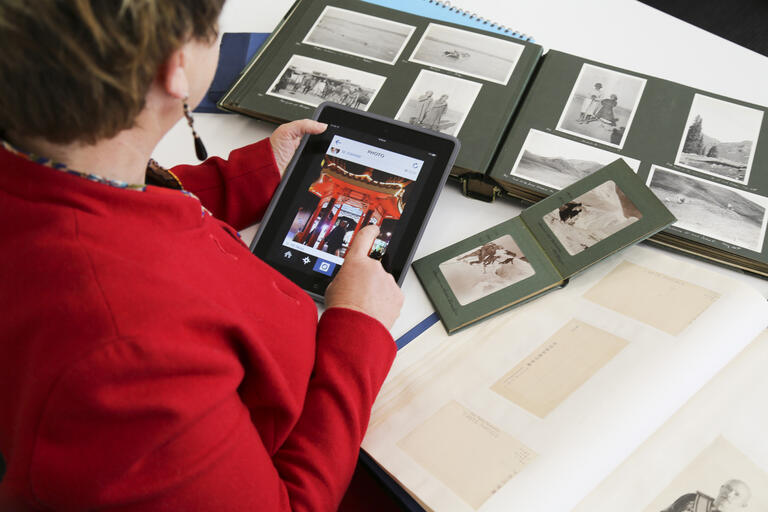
x=80 y=70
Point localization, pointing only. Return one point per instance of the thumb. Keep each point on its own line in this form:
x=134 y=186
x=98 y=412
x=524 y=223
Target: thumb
x=310 y=126
x=363 y=240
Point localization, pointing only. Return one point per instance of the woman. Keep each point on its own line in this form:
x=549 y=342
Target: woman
x=148 y=361
x=435 y=113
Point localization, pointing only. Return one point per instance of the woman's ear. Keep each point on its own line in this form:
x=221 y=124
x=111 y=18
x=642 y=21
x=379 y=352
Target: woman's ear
x=172 y=75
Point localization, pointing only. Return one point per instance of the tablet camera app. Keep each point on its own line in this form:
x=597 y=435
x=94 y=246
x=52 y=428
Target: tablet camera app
x=358 y=184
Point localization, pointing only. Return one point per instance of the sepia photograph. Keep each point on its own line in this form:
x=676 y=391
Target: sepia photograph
x=558 y=162
x=476 y=55
x=359 y=34
x=710 y=209
x=311 y=82
x=720 y=479
x=720 y=138
x=593 y=216
x=602 y=105
x=438 y=102
x=486 y=269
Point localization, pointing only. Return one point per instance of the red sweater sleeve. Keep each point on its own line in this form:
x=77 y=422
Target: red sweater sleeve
x=236 y=190
x=318 y=459
x=142 y=425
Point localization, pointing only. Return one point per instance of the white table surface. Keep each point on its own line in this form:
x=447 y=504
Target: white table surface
x=624 y=33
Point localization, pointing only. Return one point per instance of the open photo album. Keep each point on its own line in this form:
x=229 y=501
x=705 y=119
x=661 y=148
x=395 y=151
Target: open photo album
x=539 y=250
x=529 y=123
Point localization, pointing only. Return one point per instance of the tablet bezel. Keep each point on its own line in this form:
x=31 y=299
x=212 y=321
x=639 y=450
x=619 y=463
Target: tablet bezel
x=446 y=148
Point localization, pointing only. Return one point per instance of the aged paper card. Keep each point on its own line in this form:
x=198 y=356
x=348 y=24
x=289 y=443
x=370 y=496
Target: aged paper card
x=651 y=297
x=468 y=454
x=557 y=368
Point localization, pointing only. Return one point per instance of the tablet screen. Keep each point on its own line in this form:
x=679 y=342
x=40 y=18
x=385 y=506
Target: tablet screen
x=345 y=179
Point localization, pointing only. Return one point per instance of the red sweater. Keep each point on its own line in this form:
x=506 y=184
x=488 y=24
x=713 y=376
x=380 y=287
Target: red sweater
x=148 y=361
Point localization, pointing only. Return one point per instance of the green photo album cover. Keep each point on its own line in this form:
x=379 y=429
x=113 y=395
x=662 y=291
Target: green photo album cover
x=542 y=248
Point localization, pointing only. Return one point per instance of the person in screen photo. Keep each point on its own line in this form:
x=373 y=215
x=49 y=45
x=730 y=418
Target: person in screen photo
x=335 y=238
x=148 y=360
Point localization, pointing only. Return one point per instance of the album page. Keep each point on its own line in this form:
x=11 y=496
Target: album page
x=712 y=453
x=456 y=80
x=705 y=156
x=532 y=409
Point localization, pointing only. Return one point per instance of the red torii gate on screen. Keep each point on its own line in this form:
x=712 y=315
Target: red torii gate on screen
x=379 y=200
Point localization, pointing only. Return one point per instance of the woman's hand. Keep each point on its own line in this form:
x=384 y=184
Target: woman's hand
x=285 y=139
x=362 y=283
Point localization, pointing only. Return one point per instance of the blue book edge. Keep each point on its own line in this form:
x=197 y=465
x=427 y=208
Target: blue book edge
x=235 y=52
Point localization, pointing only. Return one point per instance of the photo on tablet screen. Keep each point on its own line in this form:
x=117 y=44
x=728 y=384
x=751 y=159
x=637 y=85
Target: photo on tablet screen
x=351 y=192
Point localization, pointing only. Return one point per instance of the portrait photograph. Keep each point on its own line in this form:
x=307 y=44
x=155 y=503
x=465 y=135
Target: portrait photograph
x=486 y=269
x=359 y=34
x=558 y=162
x=438 y=102
x=601 y=105
x=476 y=55
x=721 y=478
x=592 y=217
x=311 y=82
x=711 y=209
x=720 y=138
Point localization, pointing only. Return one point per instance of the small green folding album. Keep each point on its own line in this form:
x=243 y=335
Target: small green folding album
x=543 y=247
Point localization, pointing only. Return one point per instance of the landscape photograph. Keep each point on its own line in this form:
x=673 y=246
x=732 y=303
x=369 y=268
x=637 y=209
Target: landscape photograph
x=359 y=34
x=592 y=217
x=710 y=209
x=720 y=138
x=469 y=53
x=486 y=269
x=557 y=162
x=602 y=105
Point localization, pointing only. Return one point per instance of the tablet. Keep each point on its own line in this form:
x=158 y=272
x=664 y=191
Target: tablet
x=364 y=169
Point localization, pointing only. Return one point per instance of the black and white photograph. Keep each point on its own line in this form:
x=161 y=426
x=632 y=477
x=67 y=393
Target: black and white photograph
x=593 y=216
x=710 y=209
x=476 y=55
x=438 y=102
x=602 y=105
x=721 y=478
x=486 y=269
x=720 y=138
x=359 y=34
x=311 y=82
x=557 y=162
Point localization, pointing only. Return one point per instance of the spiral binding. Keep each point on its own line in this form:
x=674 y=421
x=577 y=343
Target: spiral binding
x=473 y=16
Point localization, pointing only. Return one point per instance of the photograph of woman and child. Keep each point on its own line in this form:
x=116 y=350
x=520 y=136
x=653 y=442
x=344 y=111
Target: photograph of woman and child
x=601 y=105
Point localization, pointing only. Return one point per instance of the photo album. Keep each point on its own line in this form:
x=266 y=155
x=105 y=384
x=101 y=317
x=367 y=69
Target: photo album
x=542 y=248
x=529 y=123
